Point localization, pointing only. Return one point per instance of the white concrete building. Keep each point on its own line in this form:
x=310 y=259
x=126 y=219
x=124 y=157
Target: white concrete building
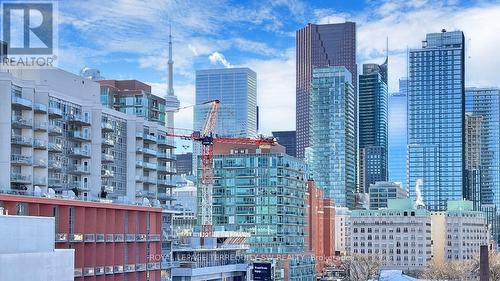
x=27 y=250
x=399 y=236
x=58 y=137
x=342 y=215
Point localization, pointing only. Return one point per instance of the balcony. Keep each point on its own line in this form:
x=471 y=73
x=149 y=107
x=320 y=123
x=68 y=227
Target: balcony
x=165 y=182
x=55 y=112
x=88 y=271
x=39 y=108
x=100 y=237
x=108 y=142
x=55 y=164
x=55 y=129
x=40 y=181
x=99 y=270
x=168 y=143
x=163 y=168
x=79 y=169
x=39 y=144
x=20 y=122
x=61 y=237
x=150 y=180
x=166 y=156
x=55 y=182
x=40 y=126
x=141 y=237
x=109 y=237
x=76 y=237
x=55 y=147
x=129 y=238
x=40 y=163
x=154 y=237
x=164 y=196
x=108 y=269
x=119 y=238
x=139 y=164
x=140 y=267
x=149 y=151
x=78 y=272
x=129 y=268
x=22 y=160
x=139 y=135
x=22 y=141
x=89 y=238
x=106 y=173
x=107 y=158
x=20 y=178
x=138 y=178
x=79 y=152
x=150 y=138
x=118 y=269
x=21 y=103
x=80 y=185
x=149 y=166
x=79 y=135
x=107 y=126
x=79 y=119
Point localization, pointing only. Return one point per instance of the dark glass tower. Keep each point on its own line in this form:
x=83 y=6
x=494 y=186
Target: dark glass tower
x=373 y=104
x=320 y=45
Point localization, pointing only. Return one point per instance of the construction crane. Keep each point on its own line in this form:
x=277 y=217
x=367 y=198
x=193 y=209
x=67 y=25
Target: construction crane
x=207 y=138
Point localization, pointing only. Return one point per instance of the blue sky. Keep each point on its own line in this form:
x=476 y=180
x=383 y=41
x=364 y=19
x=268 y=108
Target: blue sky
x=127 y=39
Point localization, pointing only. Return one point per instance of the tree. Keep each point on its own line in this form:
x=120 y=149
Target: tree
x=361 y=267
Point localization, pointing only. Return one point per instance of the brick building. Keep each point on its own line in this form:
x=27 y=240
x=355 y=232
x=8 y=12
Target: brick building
x=111 y=241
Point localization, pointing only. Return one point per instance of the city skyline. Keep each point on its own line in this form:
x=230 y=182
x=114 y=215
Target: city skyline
x=197 y=43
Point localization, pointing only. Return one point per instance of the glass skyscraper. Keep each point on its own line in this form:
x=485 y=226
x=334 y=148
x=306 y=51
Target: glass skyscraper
x=436 y=119
x=236 y=88
x=373 y=103
x=484 y=103
x=398 y=134
x=320 y=46
x=332 y=154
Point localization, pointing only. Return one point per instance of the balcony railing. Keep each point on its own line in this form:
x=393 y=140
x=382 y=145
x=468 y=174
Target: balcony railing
x=107 y=126
x=79 y=152
x=149 y=151
x=80 y=185
x=40 y=163
x=165 y=142
x=55 y=164
x=55 y=112
x=23 y=103
x=100 y=237
x=166 y=156
x=21 y=140
x=61 y=237
x=139 y=163
x=150 y=138
x=107 y=157
x=21 y=159
x=166 y=182
x=55 y=182
x=39 y=144
x=76 y=237
x=89 y=237
x=40 y=108
x=119 y=238
x=108 y=141
x=21 y=122
x=79 y=169
x=20 y=178
x=41 y=126
x=149 y=165
x=79 y=119
x=106 y=173
x=55 y=129
x=79 y=135
x=55 y=147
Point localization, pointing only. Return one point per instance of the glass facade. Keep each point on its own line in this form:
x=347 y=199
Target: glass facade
x=373 y=103
x=398 y=134
x=236 y=88
x=436 y=119
x=320 y=46
x=484 y=103
x=332 y=154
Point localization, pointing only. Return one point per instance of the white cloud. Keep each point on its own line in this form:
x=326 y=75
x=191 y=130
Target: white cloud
x=217 y=57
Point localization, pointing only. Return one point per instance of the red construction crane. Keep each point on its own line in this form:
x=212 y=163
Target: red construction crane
x=206 y=138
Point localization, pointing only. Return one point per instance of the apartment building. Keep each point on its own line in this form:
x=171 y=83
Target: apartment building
x=111 y=241
x=61 y=140
x=399 y=236
x=459 y=232
x=382 y=191
x=342 y=215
